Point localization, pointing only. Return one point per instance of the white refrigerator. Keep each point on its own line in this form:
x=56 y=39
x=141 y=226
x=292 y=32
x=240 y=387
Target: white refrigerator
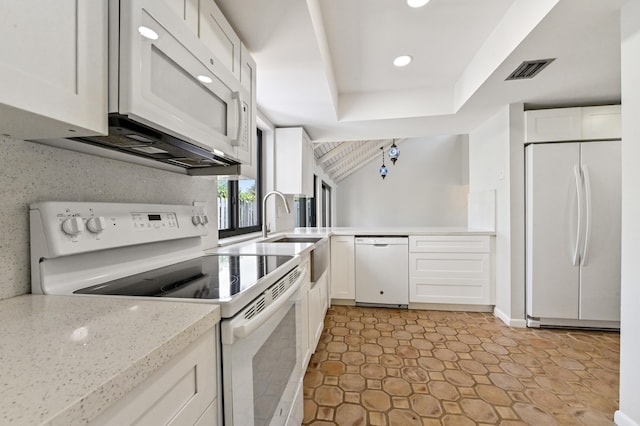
x=573 y=234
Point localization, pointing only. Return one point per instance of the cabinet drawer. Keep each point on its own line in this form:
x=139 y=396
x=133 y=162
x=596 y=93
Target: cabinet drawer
x=450 y=265
x=449 y=244
x=455 y=278
x=449 y=291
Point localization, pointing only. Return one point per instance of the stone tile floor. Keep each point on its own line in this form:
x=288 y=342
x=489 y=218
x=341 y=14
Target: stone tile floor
x=376 y=366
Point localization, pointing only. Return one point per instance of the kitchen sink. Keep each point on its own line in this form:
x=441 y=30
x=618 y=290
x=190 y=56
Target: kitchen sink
x=319 y=254
x=296 y=240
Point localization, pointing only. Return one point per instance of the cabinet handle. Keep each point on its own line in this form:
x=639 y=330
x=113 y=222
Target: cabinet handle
x=576 y=251
x=240 y=122
x=587 y=224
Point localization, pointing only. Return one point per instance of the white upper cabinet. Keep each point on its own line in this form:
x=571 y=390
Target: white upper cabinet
x=187 y=10
x=53 y=68
x=247 y=144
x=573 y=124
x=216 y=33
x=553 y=125
x=603 y=122
x=295 y=162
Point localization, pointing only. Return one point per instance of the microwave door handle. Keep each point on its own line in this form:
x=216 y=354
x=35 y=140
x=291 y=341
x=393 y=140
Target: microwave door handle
x=237 y=98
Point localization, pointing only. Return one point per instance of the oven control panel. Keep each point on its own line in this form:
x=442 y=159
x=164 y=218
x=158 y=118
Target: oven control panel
x=64 y=228
x=153 y=221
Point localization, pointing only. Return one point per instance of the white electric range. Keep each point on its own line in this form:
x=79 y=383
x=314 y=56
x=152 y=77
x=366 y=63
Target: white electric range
x=155 y=252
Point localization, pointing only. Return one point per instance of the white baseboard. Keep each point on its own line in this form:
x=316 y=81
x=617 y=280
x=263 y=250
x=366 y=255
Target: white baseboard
x=516 y=323
x=622 y=419
x=451 y=307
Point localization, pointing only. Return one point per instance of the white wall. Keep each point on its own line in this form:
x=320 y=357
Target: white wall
x=426 y=187
x=496 y=162
x=629 y=413
x=31 y=172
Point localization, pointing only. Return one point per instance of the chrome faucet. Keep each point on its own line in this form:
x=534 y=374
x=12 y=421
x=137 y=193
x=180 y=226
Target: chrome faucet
x=264 y=209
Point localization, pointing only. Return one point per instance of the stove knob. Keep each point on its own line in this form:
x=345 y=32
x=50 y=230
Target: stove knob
x=195 y=220
x=96 y=225
x=72 y=226
x=204 y=219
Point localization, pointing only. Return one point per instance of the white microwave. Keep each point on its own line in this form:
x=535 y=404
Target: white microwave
x=169 y=99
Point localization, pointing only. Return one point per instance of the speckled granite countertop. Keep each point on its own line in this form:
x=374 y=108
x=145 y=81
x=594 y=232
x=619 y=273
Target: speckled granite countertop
x=393 y=231
x=64 y=359
x=265 y=246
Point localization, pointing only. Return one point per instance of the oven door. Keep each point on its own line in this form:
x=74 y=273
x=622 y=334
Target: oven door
x=171 y=81
x=262 y=362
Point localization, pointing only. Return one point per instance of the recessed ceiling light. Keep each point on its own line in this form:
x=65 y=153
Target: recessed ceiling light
x=148 y=33
x=417 y=3
x=205 y=79
x=403 y=60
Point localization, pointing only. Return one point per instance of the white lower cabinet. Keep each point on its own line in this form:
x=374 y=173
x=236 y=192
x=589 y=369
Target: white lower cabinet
x=307 y=350
x=182 y=392
x=450 y=270
x=318 y=305
x=343 y=275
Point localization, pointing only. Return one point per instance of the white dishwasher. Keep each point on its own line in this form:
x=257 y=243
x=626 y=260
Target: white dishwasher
x=382 y=271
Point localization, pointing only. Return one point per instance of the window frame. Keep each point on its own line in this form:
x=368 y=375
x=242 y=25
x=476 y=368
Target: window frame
x=234 y=194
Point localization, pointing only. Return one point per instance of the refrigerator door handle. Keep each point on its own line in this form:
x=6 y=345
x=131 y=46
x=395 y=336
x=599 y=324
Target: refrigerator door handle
x=575 y=259
x=587 y=225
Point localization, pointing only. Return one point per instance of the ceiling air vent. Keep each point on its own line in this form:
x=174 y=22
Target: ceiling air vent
x=529 y=69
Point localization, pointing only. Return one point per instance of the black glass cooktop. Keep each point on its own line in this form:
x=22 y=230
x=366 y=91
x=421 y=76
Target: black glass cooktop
x=216 y=277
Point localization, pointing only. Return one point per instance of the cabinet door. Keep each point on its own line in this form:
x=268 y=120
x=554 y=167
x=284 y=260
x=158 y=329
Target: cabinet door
x=601 y=122
x=317 y=310
x=307 y=350
x=247 y=143
x=180 y=392
x=545 y=125
x=315 y=313
x=187 y=10
x=216 y=33
x=53 y=68
x=343 y=280
x=295 y=163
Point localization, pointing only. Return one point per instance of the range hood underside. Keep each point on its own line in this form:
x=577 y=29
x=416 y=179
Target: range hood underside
x=128 y=136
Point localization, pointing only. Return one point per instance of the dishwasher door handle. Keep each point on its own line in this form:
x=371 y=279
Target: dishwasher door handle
x=381 y=245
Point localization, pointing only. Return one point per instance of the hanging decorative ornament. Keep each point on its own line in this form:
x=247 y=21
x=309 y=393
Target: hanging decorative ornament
x=394 y=152
x=383 y=170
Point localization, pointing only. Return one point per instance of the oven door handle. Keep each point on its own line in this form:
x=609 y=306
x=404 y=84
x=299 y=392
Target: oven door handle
x=246 y=327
